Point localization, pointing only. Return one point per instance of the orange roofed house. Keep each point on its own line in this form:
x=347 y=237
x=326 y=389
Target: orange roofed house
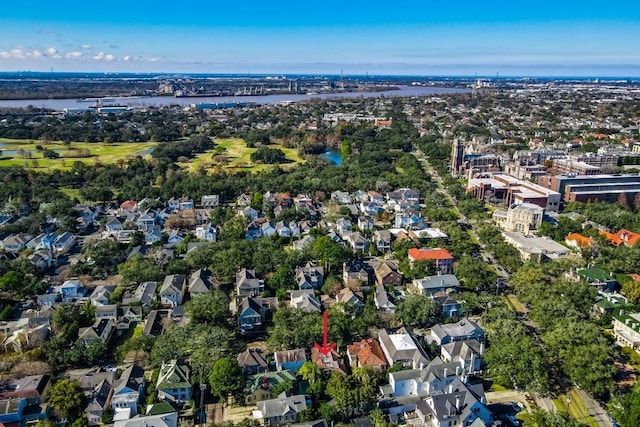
x=622 y=237
x=367 y=353
x=129 y=206
x=442 y=258
x=578 y=241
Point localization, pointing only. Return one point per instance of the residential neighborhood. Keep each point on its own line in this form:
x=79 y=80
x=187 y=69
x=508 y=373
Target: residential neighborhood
x=462 y=263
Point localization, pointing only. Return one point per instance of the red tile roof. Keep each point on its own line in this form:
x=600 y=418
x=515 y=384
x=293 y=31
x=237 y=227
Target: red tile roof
x=369 y=353
x=623 y=236
x=428 y=254
x=581 y=240
x=129 y=204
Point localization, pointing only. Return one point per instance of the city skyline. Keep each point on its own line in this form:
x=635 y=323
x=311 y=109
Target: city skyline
x=464 y=38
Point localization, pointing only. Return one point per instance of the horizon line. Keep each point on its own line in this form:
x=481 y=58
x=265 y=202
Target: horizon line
x=367 y=74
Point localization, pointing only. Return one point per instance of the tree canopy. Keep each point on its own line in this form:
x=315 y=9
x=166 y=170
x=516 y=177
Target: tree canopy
x=211 y=308
x=66 y=396
x=225 y=378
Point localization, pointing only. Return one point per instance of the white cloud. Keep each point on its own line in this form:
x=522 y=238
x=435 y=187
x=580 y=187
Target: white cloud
x=17 y=53
x=101 y=56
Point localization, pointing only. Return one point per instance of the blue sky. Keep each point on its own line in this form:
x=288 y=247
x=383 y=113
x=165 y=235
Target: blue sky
x=403 y=37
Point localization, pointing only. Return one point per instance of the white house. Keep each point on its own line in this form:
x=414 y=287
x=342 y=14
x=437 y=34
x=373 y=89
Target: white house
x=64 y=242
x=127 y=392
x=626 y=328
x=173 y=289
x=282 y=410
x=468 y=354
x=101 y=295
x=206 y=232
x=424 y=380
x=357 y=242
x=174 y=382
x=458 y=405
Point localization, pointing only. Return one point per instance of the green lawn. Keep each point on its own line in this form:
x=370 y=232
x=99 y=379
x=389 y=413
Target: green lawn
x=72 y=193
x=235 y=149
x=239 y=156
x=103 y=153
x=137 y=332
x=497 y=387
x=572 y=403
x=632 y=357
x=515 y=305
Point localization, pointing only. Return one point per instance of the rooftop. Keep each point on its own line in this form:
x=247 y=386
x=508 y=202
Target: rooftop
x=429 y=254
x=595 y=274
x=403 y=342
x=631 y=320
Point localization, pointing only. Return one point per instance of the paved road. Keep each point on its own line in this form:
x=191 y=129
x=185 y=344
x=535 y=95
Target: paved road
x=486 y=255
x=544 y=403
x=594 y=408
x=441 y=188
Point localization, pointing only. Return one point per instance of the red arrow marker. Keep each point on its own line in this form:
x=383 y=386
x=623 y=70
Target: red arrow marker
x=326 y=347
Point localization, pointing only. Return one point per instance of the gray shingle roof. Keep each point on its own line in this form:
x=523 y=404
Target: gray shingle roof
x=282 y=405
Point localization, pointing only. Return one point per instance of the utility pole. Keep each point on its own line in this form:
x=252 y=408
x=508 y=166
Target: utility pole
x=203 y=389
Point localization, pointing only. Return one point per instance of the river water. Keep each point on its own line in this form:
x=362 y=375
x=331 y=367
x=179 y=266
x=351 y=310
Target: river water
x=158 y=101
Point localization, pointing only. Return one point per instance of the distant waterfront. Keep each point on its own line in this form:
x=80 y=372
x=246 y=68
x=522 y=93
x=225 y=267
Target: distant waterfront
x=158 y=101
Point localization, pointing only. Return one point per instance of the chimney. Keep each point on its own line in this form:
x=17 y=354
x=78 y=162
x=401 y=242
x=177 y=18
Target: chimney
x=458 y=403
x=446 y=371
x=457 y=371
x=481 y=348
x=421 y=366
x=451 y=388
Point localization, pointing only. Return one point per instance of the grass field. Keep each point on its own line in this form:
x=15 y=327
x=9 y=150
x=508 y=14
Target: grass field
x=239 y=157
x=72 y=193
x=23 y=153
x=102 y=153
